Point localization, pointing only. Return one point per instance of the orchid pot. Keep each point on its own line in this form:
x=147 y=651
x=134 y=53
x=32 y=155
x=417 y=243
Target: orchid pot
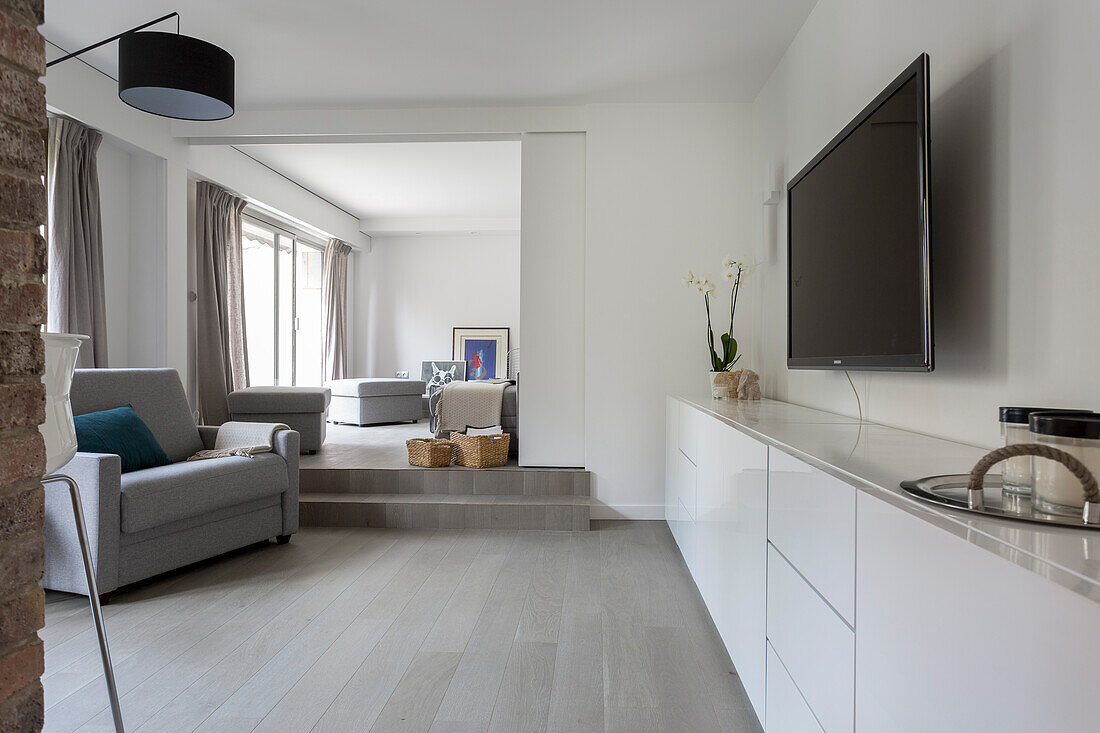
x=721 y=380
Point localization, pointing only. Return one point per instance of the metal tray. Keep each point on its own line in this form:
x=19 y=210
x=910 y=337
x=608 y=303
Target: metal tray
x=950 y=491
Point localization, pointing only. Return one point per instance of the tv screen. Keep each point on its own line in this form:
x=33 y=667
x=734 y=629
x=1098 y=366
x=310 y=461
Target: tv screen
x=858 y=262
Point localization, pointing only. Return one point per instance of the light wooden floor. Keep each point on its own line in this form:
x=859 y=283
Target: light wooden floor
x=349 y=629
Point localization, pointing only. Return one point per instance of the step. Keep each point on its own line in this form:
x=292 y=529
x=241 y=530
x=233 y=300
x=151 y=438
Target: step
x=444 y=511
x=513 y=481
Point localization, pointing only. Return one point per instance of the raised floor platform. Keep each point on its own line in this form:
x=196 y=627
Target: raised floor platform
x=362 y=478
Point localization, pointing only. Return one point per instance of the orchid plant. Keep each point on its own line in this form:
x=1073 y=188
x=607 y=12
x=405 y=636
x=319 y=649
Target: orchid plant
x=732 y=271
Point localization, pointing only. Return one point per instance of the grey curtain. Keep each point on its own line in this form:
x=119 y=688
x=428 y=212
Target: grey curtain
x=334 y=299
x=221 y=357
x=75 y=234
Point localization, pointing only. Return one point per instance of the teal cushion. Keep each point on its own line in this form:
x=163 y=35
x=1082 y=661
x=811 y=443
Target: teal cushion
x=122 y=432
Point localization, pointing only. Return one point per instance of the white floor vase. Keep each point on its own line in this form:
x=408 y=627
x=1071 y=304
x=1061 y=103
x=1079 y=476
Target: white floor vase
x=58 y=431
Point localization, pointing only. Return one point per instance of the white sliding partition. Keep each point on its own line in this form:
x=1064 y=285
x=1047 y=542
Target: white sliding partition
x=552 y=246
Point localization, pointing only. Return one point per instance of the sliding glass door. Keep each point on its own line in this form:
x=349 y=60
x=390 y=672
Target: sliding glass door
x=282 y=305
x=258 y=261
x=309 y=335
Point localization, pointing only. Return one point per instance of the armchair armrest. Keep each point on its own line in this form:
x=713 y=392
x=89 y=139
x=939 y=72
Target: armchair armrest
x=99 y=480
x=286 y=444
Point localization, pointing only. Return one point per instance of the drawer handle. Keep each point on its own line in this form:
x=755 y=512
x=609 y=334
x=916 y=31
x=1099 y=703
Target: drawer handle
x=974 y=488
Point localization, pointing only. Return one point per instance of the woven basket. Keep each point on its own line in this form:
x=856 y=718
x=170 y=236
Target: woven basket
x=481 y=451
x=430 y=452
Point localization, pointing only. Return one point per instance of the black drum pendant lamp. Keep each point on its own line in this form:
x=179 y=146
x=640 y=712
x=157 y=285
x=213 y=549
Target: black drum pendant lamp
x=171 y=75
x=177 y=76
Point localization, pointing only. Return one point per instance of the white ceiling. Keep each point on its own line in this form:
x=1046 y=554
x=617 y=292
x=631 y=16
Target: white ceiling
x=398 y=185
x=360 y=53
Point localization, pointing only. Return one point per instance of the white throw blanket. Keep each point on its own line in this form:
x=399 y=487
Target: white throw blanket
x=470 y=404
x=242 y=439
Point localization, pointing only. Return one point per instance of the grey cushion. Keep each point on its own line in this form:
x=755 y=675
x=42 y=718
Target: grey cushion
x=376 y=387
x=278 y=399
x=156 y=396
x=166 y=494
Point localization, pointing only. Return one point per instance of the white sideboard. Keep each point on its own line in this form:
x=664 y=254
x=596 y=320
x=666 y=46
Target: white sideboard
x=845 y=605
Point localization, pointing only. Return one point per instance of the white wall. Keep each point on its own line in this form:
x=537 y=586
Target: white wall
x=667 y=192
x=113 y=162
x=131 y=195
x=148 y=297
x=1014 y=214
x=552 y=252
x=408 y=292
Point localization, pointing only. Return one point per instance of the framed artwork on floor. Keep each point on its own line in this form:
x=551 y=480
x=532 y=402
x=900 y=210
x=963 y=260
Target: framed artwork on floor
x=485 y=351
x=439 y=372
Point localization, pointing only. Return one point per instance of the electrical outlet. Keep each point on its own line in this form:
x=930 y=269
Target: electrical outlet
x=402 y=375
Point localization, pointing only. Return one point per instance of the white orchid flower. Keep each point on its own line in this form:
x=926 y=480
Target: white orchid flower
x=729 y=264
x=689 y=279
x=729 y=274
x=704 y=285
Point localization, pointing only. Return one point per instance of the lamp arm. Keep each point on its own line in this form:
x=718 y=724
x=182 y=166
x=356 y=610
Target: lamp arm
x=104 y=42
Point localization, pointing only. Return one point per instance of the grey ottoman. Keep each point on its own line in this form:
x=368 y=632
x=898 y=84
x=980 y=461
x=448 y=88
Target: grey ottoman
x=302 y=408
x=369 y=401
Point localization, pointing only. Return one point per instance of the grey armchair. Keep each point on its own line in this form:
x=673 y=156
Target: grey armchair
x=147 y=522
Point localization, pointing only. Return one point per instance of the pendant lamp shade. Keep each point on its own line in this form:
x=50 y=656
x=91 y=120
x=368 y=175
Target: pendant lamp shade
x=177 y=76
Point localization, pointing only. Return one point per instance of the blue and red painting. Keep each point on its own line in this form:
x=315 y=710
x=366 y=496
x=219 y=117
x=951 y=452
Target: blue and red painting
x=481 y=358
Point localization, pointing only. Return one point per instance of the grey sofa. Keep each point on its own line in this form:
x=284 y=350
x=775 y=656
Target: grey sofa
x=304 y=409
x=509 y=415
x=147 y=522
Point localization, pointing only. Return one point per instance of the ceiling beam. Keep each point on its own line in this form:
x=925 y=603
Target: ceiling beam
x=244 y=142
x=383 y=226
x=353 y=125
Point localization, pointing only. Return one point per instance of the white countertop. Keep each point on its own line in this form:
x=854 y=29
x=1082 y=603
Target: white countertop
x=876 y=459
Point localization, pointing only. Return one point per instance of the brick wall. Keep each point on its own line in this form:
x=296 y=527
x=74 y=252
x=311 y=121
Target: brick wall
x=22 y=402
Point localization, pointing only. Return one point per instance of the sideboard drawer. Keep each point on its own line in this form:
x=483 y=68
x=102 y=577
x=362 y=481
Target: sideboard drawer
x=816 y=647
x=786 y=712
x=812 y=521
x=688 y=431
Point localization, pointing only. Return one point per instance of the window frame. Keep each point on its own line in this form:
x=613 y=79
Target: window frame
x=297 y=236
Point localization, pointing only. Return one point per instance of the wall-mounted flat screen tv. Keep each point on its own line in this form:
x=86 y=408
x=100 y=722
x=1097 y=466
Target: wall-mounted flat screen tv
x=859 y=289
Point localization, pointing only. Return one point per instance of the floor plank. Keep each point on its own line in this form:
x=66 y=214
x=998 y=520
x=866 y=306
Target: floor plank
x=628 y=676
x=224 y=587
x=246 y=707
x=450 y=631
x=141 y=671
x=207 y=693
x=314 y=693
x=473 y=690
x=245 y=653
x=524 y=699
x=411 y=708
x=683 y=699
x=362 y=699
x=541 y=616
x=455 y=624
x=633 y=720
x=577 y=697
